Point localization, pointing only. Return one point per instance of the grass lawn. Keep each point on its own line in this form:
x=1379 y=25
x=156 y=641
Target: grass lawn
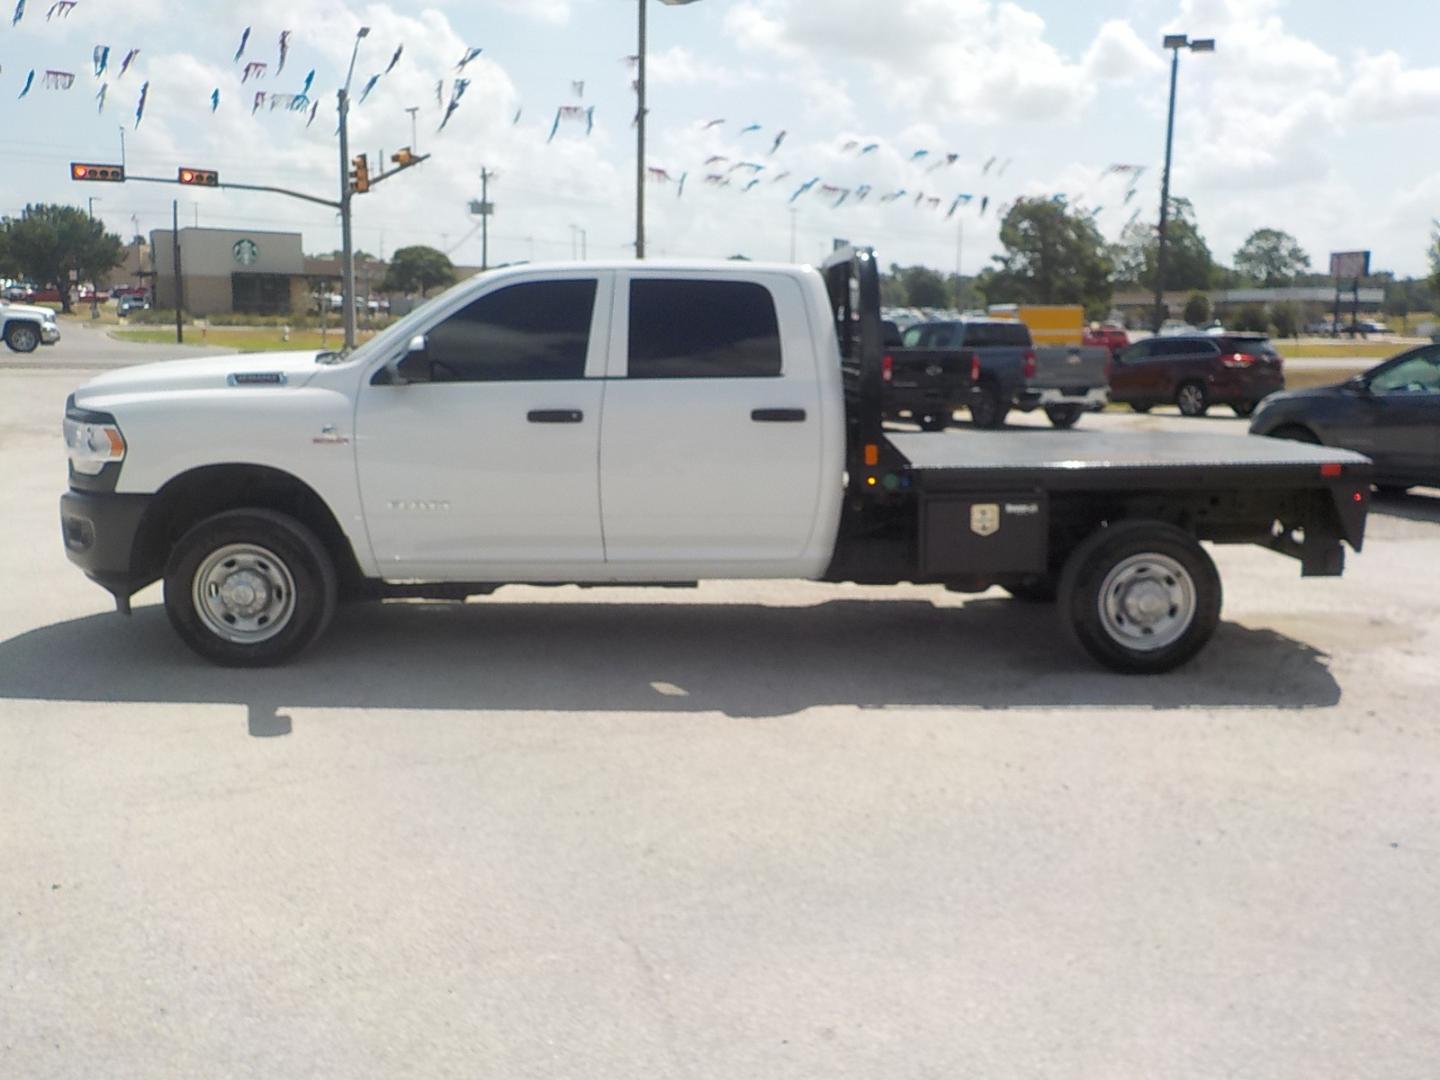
x=1303 y=380
x=259 y=339
x=1320 y=350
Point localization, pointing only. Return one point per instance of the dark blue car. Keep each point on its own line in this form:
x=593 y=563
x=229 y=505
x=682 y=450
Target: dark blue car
x=1391 y=414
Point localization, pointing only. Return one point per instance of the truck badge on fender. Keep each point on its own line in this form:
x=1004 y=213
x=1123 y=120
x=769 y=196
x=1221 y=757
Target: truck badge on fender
x=329 y=436
x=985 y=519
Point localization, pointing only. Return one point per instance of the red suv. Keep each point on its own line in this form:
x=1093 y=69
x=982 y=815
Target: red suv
x=1195 y=371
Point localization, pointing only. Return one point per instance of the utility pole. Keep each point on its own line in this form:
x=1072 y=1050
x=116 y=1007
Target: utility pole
x=1173 y=42
x=640 y=143
x=347 y=252
x=484 y=218
x=414 y=140
x=175 y=265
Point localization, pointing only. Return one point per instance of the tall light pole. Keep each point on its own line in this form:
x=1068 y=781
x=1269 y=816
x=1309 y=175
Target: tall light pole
x=1173 y=42
x=640 y=131
x=347 y=254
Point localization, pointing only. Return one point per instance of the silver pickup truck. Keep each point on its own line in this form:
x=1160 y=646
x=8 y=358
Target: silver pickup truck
x=1000 y=369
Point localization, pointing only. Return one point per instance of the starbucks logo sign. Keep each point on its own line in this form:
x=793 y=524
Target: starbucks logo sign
x=246 y=252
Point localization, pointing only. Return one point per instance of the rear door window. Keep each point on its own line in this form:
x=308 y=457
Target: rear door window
x=702 y=329
x=980 y=335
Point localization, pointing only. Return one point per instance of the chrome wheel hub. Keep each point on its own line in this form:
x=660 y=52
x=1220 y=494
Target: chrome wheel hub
x=1147 y=602
x=244 y=593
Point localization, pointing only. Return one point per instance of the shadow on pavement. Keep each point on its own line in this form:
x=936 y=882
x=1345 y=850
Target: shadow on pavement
x=742 y=660
x=1411 y=507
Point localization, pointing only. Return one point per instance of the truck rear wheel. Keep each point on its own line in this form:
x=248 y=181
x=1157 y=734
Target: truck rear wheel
x=1063 y=416
x=249 y=588
x=987 y=408
x=1141 y=406
x=22 y=337
x=1140 y=597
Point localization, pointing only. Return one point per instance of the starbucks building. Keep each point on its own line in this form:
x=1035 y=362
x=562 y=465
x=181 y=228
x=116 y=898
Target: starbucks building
x=231 y=270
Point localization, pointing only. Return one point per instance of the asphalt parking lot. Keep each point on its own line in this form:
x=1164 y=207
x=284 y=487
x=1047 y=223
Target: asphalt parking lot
x=762 y=829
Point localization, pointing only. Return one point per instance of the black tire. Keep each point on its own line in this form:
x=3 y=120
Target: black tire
x=1243 y=408
x=1101 y=610
x=1039 y=591
x=987 y=408
x=1064 y=416
x=22 y=337
x=1296 y=433
x=1392 y=490
x=934 y=421
x=1191 y=399
x=1142 y=406
x=261 y=551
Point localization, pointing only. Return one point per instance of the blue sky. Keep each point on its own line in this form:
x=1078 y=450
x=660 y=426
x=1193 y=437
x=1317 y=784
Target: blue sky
x=1313 y=116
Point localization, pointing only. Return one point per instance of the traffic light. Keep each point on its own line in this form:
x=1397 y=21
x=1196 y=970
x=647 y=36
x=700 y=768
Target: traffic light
x=403 y=157
x=200 y=177
x=112 y=174
x=360 y=174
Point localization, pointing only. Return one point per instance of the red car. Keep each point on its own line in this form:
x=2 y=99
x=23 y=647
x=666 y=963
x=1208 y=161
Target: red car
x=1109 y=337
x=1195 y=371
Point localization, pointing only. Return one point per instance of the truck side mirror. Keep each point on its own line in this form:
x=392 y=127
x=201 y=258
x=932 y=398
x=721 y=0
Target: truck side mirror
x=415 y=366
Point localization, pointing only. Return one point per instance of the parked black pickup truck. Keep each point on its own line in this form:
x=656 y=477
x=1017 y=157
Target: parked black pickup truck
x=989 y=366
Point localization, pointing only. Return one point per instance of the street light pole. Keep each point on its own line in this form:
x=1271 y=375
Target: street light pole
x=1173 y=42
x=640 y=131
x=347 y=254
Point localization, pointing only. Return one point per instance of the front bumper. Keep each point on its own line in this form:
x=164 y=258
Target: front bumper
x=99 y=531
x=49 y=333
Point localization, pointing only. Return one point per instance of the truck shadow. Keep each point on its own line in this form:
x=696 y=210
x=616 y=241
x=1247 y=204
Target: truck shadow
x=1410 y=506
x=741 y=660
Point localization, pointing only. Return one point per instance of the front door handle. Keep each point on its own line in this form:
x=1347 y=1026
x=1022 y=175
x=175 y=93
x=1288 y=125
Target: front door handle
x=555 y=416
x=778 y=416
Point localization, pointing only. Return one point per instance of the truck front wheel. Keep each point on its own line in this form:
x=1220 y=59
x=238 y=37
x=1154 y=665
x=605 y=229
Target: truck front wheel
x=1140 y=597
x=249 y=588
x=936 y=421
x=22 y=337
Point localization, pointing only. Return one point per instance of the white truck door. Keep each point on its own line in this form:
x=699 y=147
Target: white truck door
x=711 y=440
x=492 y=467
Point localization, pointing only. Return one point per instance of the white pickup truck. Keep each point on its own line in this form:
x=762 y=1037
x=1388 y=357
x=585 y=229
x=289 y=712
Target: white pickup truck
x=649 y=423
x=23 y=327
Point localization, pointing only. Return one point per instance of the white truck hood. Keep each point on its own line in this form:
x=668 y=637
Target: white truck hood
x=243 y=370
x=32 y=310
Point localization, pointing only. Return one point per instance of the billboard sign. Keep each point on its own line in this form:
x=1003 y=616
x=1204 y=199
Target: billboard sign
x=1349 y=265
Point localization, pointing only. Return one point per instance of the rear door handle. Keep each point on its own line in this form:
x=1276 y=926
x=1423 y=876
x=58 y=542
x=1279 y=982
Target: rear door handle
x=778 y=416
x=555 y=416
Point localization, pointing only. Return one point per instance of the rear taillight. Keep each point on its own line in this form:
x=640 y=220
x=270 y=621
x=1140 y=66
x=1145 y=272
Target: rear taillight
x=887 y=368
x=974 y=367
x=1029 y=363
x=1238 y=359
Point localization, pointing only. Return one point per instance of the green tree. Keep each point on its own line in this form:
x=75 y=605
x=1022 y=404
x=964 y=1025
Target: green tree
x=46 y=242
x=1251 y=317
x=1286 y=319
x=418 y=269
x=1434 y=256
x=1188 y=262
x=925 y=287
x=1197 y=309
x=1053 y=255
x=1271 y=257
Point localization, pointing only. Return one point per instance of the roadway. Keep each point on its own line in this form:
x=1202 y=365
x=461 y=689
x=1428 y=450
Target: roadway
x=759 y=829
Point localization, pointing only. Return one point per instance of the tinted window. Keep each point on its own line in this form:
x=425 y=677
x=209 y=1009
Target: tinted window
x=1138 y=351
x=1185 y=347
x=912 y=337
x=1255 y=346
x=980 y=335
x=1419 y=374
x=538 y=330
x=702 y=330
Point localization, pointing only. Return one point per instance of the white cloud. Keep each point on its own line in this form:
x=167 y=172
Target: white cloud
x=1118 y=55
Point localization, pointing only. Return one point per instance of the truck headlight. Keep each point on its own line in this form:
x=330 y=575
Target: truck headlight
x=92 y=440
